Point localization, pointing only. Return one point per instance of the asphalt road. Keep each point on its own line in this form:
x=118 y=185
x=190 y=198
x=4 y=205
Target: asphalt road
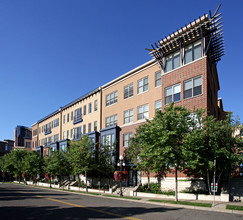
x=26 y=202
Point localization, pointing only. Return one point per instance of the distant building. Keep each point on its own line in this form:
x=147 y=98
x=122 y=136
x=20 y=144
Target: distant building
x=22 y=138
x=6 y=146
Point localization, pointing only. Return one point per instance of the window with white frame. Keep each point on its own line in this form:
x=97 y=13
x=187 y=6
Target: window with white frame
x=89 y=127
x=173 y=94
x=64 y=119
x=193 y=87
x=71 y=131
x=77 y=132
x=71 y=116
x=128 y=116
x=68 y=117
x=64 y=135
x=143 y=112
x=158 y=80
x=67 y=134
x=128 y=91
x=143 y=85
x=111 y=120
x=172 y=61
x=84 y=129
x=193 y=52
x=95 y=105
x=195 y=120
x=111 y=98
x=158 y=105
x=126 y=139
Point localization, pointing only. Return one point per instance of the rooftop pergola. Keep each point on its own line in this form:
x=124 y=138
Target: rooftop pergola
x=210 y=28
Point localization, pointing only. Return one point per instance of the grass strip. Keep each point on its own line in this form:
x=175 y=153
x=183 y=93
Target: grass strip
x=234 y=207
x=183 y=203
x=123 y=197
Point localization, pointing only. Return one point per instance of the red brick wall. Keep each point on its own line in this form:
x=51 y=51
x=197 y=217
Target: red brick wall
x=186 y=72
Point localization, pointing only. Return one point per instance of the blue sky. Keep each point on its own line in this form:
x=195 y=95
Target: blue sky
x=53 y=51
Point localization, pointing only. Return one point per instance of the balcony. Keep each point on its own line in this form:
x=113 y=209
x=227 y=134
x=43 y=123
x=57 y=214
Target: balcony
x=77 y=119
x=48 y=131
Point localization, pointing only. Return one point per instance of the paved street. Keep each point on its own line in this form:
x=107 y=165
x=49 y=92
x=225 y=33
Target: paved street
x=25 y=202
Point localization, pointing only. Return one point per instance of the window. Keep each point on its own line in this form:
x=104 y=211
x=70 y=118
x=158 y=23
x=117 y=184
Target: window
x=143 y=85
x=195 y=120
x=193 y=87
x=64 y=119
x=71 y=116
x=64 y=135
x=128 y=91
x=63 y=146
x=126 y=139
x=84 y=129
x=112 y=120
x=89 y=127
x=56 y=137
x=27 y=145
x=77 y=115
x=56 y=122
x=95 y=126
x=68 y=117
x=67 y=134
x=193 y=52
x=143 y=112
x=128 y=116
x=158 y=79
x=95 y=105
x=172 y=61
x=71 y=131
x=90 y=107
x=173 y=94
x=111 y=98
x=158 y=105
x=85 y=110
x=77 y=133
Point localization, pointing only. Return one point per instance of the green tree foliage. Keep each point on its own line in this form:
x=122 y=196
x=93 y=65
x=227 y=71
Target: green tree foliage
x=81 y=157
x=57 y=165
x=213 y=142
x=105 y=163
x=32 y=164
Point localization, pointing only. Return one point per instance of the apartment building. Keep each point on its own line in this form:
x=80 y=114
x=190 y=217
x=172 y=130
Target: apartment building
x=70 y=122
x=6 y=146
x=183 y=70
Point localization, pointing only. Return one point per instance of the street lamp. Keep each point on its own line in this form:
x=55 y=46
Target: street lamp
x=120 y=164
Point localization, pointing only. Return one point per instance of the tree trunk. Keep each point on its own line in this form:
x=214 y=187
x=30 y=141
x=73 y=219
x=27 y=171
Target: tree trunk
x=209 y=191
x=176 y=184
x=78 y=182
x=50 y=181
x=148 y=175
x=86 y=180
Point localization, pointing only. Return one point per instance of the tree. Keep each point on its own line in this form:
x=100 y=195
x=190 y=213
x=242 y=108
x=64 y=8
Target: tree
x=32 y=164
x=105 y=162
x=213 y=142
x=14 y=162
x=160 y=142
x=79 y=155
x=57 y=165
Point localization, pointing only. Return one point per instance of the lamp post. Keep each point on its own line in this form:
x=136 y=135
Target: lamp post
x=120 y=164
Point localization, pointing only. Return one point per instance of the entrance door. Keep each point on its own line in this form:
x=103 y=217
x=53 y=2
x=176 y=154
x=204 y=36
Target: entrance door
x=130 y=180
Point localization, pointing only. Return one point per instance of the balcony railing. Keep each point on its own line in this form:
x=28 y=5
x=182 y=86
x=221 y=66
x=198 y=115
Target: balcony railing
x=77 y=119
x=48 y=131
